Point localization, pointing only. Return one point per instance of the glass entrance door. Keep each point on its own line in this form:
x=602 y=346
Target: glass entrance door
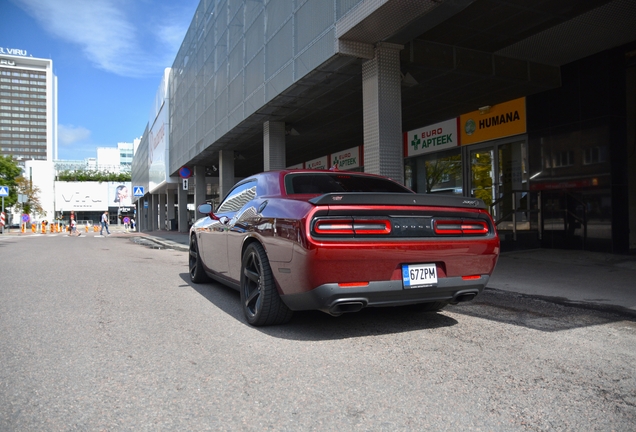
x=482 y=174
x=498 y=175
x=512 y=182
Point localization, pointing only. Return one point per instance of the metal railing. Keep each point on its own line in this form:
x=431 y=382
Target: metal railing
x=536 y=214
x=573 y=212
x=530 y=213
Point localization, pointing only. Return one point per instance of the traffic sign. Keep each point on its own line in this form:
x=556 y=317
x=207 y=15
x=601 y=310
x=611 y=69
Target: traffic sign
x=138 y=191
x=25 y=218
x=4 y=191
x=185 y=172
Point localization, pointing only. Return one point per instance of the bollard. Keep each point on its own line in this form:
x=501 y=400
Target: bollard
x=86 y=226
x=23 y=228
x=95 y=229
x=33 y=228
x=43 y=229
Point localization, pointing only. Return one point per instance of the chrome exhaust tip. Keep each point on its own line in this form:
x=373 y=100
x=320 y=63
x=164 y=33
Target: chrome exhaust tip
x=465 y=296
x=346 y=307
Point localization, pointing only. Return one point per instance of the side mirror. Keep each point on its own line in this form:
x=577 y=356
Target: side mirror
x=207 y=210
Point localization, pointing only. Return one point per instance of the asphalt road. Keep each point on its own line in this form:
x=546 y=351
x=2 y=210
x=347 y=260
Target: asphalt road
x=105 y=334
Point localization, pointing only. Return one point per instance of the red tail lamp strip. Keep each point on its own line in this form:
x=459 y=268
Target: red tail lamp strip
x=334 y=227
x=350 y=227
x=372 y=226
x=458 y=227
x=353 y=284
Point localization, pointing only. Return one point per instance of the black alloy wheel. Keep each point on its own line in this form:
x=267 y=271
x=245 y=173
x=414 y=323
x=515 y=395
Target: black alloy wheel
x=197 y=274
x=261 y=303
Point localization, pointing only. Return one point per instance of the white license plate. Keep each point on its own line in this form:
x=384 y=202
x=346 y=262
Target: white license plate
x=419 y=275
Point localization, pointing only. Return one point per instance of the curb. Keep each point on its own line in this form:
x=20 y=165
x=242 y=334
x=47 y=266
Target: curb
x=168 y=244
x=563 y=301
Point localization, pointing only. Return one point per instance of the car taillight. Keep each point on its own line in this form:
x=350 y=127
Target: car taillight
x=352 y=226
x=368 y=227
x=333 y=227
x=458 y=227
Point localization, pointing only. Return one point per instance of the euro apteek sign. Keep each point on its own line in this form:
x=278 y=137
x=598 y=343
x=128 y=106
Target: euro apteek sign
x=439 y=136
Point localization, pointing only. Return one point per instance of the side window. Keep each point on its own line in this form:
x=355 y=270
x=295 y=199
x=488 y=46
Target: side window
x=238 y=197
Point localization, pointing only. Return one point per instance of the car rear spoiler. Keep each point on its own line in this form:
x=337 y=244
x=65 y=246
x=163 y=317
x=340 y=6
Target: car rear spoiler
x=401 y=199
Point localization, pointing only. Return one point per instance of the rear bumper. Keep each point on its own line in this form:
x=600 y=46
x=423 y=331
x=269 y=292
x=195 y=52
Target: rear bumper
x=335 y=300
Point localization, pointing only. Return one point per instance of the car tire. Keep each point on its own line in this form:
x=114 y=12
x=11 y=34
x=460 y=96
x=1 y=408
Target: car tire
x=428 y=307
x=259 y=297
x=195 y=266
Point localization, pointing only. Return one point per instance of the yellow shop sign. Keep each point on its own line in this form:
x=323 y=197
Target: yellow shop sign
x=488 y=123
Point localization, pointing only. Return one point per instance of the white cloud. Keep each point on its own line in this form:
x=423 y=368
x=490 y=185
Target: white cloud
x=110 y=35
x=71 y=134
x=171 y=36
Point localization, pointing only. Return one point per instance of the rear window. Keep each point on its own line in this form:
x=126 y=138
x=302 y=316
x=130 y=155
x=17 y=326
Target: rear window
x=322 y=183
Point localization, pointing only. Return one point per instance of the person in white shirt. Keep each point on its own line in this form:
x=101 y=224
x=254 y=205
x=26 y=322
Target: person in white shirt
x=104 y=224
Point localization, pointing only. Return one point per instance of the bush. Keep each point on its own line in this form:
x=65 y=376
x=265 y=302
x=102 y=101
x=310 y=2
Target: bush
x=93 y=175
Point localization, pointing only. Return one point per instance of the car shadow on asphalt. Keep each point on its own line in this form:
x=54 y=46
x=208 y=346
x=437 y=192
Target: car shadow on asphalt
x=539 y=313
x=317 y=326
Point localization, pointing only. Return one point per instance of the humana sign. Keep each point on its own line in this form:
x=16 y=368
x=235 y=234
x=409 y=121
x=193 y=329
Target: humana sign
x=499 y=119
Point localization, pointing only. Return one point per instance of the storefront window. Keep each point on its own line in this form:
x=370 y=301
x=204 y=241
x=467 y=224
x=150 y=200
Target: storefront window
x=574 y=177
x=439 y=172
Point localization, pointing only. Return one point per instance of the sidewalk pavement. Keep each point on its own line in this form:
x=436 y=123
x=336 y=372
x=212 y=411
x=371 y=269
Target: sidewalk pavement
x=588 y=279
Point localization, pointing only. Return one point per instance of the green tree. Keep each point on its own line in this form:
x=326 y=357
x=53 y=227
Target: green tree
x=438 y=169
x=32 y=206
x=9 y=173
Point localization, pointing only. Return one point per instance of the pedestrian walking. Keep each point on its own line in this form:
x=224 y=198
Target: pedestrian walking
x=74 y=231
x=73 y=226
x=104 y=224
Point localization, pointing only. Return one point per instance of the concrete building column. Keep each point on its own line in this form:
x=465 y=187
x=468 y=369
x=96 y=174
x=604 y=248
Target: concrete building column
x=274 y=146
x=147 y=199
x=143 y=216
x=182 y=197
x=226 y=172
x=631 y=160
x=170 y=206
x=382 y=113
x=140 y=217
x=162 y=211
x=199 y=186
x=152 y=214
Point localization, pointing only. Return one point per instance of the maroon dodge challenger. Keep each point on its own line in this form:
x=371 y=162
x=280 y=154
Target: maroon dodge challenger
x=339 y=241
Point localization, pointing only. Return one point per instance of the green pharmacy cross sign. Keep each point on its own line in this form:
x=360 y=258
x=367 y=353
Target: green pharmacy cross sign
x=416 y=142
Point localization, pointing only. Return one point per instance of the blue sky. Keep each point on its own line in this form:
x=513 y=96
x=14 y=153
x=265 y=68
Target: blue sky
x=109 y=57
